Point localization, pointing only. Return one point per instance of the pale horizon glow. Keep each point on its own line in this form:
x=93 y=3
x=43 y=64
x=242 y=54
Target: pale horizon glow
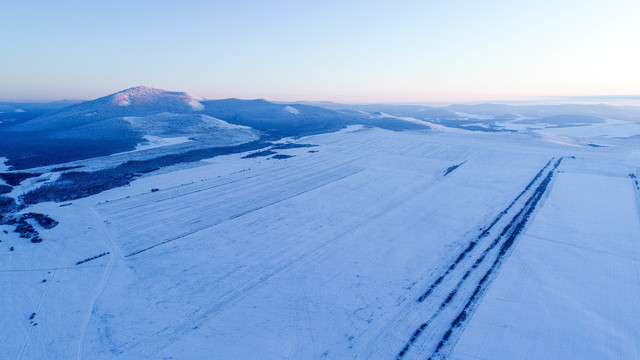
x=353 y=52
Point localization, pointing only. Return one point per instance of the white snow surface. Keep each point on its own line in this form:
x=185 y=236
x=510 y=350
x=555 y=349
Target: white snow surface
x=143 y=95
x=159 y=127
x=146 y=94
x=610 y=128
x=471 y=116
x=170 y=123
x=292 y=110
x=323 y=256
x=196 y=105
x=156 y=141
x=557 y=139
x=433 y=126
x=3 y=165
x=122 y=99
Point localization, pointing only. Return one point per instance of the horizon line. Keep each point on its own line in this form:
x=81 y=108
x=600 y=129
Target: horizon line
x=523 y=100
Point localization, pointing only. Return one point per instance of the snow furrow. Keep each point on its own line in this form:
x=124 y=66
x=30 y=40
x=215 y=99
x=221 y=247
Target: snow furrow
x=471 y=281
x=485 y=231
x=141 y=348
x=327 y=177
x=514 y=229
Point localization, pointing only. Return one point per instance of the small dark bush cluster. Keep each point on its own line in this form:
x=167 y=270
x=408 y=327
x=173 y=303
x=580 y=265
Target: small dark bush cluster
x=292 y=146
x=282 y=156
x=451 y=168
x=155 y=190
x=25 y=229
x=7 y=205
x=44 y=221
x=65 y=168
x=92 y=258
x=259 y=154
x=5 y=189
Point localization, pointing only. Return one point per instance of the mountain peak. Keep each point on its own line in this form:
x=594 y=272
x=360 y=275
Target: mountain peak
x=125 y=97
x=146 y=95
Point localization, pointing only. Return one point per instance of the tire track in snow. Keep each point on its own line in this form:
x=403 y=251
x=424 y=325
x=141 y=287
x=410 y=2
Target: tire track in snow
x=506 y=238
x=485 y=231
x=50 y=284
x=515 y=228
x=103 y=281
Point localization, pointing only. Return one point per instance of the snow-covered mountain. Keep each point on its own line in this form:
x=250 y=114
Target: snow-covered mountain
x=122 y=121
x=145 y=96
x=112 y=124
x=143 y=101
x=136 y=101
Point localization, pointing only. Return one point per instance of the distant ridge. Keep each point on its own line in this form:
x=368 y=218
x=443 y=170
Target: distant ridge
x=135 y=101
x=120 y=121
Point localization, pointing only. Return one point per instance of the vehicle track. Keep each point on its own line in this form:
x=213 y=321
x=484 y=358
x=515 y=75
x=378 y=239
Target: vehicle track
x=475 y=280
x=50 y=284
x=510 y=234
x=484 y=232
x=113 y=249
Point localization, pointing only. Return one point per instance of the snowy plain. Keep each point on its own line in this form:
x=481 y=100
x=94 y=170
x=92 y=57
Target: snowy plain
x=330 y=254
x=581 y=254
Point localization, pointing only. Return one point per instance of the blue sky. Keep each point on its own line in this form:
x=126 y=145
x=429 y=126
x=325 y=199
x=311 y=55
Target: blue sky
x=348 y=51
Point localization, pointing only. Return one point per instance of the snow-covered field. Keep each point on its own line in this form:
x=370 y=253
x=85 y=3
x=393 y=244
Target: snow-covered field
x=570 y=289
x=369 y=245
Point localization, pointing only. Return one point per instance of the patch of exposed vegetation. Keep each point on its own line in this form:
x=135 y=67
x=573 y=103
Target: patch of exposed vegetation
x=78 y=184
x=14 y=179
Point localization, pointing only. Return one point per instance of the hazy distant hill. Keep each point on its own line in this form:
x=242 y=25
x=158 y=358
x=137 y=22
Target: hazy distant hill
x=12 y=113
x=111 y=124
x=539 y=111
x=137 y=101
x=120 y=121
x=290 y=120
x=41 y=134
